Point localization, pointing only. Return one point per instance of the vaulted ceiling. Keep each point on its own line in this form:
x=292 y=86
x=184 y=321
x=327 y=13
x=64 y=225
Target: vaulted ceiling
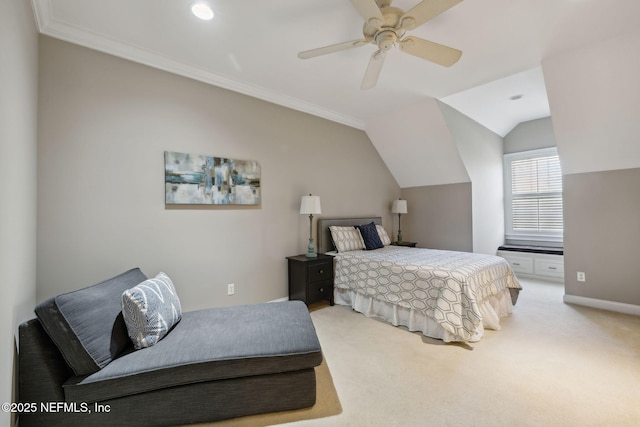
x=251 y=47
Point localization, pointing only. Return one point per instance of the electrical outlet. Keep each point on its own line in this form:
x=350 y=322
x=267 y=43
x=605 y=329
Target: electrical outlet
x=231 y=289
x=581 y=276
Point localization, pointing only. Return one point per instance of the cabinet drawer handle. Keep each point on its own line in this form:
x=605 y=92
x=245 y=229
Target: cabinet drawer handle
x=553 y=268
x=516 y=263
x=321 y=271
x=321 y=289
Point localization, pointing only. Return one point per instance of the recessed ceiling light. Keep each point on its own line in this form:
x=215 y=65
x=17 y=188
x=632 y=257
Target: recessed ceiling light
x=202 y=11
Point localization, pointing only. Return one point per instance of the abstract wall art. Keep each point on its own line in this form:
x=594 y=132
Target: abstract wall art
x=199 y=179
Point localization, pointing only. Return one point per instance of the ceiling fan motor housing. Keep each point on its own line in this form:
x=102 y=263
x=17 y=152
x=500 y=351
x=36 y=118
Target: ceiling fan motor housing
x=391 y=22
x=386 y=39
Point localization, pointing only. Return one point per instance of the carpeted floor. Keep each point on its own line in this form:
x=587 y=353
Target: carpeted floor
x=551 y=364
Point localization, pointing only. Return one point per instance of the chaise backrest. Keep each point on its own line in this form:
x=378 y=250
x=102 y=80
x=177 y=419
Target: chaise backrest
x=87 y=325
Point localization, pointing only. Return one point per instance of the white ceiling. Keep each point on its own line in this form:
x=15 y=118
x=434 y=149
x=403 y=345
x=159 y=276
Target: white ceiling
x=251 y=47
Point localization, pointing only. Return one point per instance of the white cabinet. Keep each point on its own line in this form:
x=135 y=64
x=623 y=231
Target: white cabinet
x=519 y=263
x=549 y=266
x=529 y=264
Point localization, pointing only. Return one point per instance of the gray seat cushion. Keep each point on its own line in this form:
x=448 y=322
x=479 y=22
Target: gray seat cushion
x=208 y=345
x=87 y=325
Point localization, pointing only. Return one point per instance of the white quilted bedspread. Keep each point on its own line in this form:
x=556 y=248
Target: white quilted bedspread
x=445 y=285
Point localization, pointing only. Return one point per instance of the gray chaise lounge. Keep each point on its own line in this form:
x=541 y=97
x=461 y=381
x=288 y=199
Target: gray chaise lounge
x=215 y=364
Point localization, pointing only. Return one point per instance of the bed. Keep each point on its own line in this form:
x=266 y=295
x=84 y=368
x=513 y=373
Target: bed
x=447 y=295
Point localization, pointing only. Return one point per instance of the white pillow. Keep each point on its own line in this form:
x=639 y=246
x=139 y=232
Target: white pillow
x=150 y=310
x=346 y=238
x=383 y=235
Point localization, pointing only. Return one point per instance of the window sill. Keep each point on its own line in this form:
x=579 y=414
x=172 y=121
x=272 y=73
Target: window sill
x=550 y=250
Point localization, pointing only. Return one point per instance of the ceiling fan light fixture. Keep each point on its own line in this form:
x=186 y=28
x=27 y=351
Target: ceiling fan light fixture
x=202 y=11
x=386 y=39
x=385 y=27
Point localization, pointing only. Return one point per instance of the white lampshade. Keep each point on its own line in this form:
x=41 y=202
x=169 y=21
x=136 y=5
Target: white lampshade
x=399 y=207
x=310 y=205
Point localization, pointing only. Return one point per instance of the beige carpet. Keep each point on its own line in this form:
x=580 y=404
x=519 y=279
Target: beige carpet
x=552 y=364
x=327 y=404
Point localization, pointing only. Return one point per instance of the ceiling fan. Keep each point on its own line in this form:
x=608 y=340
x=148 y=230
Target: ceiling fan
x=385 y=26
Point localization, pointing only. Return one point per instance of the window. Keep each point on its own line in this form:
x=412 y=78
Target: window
x=533 y=196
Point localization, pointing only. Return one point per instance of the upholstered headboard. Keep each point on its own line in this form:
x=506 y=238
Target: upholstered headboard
x=325 y=243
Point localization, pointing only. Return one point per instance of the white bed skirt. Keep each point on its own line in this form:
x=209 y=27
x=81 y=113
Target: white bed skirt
x=492 y=309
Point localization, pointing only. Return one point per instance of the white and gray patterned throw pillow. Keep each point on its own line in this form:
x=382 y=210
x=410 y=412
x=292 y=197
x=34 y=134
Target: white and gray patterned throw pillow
x=346 y=238
x=150 y=310
x=383 y=235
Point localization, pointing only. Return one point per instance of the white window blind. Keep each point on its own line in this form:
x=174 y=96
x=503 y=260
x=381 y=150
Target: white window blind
x=533 y=195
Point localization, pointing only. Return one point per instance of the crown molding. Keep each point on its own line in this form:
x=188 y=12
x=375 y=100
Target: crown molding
x=41 y=13
x=50 y=26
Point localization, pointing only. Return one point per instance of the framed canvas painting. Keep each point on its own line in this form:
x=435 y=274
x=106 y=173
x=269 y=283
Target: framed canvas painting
x=200 y=179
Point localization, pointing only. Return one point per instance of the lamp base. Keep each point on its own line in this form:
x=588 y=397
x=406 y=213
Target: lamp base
x=311 y=250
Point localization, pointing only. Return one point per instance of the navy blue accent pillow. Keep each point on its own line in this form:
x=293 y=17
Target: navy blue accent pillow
x=370 y=235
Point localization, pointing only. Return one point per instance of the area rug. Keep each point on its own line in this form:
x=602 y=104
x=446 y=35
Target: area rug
x=327 y=404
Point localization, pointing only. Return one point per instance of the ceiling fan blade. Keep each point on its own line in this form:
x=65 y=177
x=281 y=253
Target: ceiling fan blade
x=434 y=52
x=331 y=49
x=369 y=11
x=373 y=70
x=424 y=11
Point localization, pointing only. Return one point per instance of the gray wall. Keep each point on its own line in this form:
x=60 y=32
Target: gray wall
x=18 y=122
x=593 y=95
x=439 y=217
x=104 y=125
x=602 y=235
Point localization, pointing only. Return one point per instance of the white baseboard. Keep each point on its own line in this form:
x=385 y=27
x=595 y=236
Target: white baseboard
x=618 y=307
x=540 y=277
